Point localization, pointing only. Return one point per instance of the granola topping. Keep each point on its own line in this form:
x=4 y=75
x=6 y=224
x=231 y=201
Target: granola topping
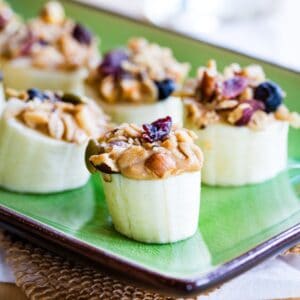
x=52 y=41
x=9 y=23
x=238 y=96
x=125 y=150
x=57 y=115
x=143 y=72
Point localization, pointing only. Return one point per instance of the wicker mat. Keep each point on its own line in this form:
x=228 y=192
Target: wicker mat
x=44 y=275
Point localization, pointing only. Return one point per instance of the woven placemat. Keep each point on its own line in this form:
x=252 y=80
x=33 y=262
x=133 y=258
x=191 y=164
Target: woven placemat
x=43 y=275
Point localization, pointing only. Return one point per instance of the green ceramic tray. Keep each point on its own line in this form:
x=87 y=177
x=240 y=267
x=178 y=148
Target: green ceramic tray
x=238 y=227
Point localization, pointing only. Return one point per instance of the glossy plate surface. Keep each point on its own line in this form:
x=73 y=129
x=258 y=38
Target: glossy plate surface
x=238 y=227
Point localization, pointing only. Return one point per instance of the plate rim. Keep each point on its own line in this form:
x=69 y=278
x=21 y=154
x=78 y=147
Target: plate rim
x=175 y=285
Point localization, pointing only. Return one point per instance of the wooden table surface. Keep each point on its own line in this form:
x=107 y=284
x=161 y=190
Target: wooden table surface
x=11 y=291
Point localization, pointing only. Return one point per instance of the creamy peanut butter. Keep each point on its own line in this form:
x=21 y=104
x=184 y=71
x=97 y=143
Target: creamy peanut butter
x=129 y=150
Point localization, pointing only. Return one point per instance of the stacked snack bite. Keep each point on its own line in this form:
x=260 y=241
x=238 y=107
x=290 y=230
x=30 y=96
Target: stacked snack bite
x=43 y=136
x=241 y=122
x=2 y=95
x=49 y=52
x=9 y=24
x=151 y=178
x=136 y=84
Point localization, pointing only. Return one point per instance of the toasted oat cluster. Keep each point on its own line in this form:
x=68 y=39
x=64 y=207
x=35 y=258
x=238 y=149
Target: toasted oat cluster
x=141 y=73
x=153 y=151
x=64 y=117
x=238 y=96
x=51 y=41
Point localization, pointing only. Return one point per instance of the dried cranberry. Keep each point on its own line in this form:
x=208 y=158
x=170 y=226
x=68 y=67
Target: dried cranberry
x=233 y=87
x=157 y=130
x=27 y=43
x=81 y=34
x=112 y=63
x=256 y=105
x=249 y=111
x=245 y=118
x=43 y=42
x=3 y=21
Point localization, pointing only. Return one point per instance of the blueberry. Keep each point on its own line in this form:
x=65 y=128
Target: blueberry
x=270 y=94
x=43 y=42
x=157 y=130
x=36 y=93
x=81 y=34
x=165 y=88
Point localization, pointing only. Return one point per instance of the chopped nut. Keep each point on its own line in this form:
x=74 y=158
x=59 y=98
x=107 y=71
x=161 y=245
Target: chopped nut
x=132 y=156
x=84 y=120
x=295 y=120
x=70 y=127
x=35 y=118
x=140 y=159
x=57 y=119
x=160 y=164
x=227 y=104
x=282 y=113
x=259 y=120
x=183 y=136
x=232 y=70
x=208 y=86
x=12 y=93
x=48 y=57
x=108 y=89
x=255 y=73
x=132 y=131
x=170 y=143
x=53 y=12
x=104 y=163
x=55 y=126
x=237 y=113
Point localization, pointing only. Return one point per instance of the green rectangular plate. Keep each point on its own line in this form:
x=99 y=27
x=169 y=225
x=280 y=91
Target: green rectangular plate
x=238 y=227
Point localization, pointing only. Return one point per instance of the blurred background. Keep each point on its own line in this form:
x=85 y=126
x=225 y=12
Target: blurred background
x=267 y=29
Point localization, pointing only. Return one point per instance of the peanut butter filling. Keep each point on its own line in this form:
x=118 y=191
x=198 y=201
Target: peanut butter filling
x=132 y=152
x=65 y=117
x=51 y=41
x=238 y=96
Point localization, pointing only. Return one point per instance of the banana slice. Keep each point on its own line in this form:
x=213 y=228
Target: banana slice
x=142 y=113
x=239 y=155
x=18 y=74
x=154 y=211
x=2 y=97
x=32 y=162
